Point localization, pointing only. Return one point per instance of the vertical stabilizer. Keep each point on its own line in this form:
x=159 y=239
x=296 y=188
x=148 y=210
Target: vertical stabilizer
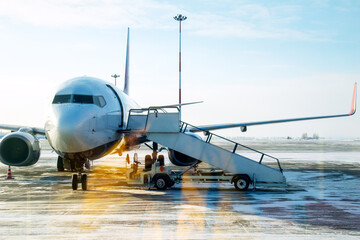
x=126 y=82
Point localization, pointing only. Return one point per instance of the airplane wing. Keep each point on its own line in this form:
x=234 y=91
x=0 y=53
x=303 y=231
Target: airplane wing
x=243 y=126
x=176 y=105
x=17 y=128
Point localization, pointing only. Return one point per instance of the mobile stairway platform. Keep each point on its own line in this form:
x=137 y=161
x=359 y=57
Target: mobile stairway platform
x=163 y=126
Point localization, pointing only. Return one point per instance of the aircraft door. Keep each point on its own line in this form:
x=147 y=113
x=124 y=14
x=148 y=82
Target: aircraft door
x=115 y=118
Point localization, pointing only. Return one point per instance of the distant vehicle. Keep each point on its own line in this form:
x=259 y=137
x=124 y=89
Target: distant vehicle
x=88 y=119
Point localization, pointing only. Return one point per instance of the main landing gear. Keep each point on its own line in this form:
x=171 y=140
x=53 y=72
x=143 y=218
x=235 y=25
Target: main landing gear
x=79 y=178
x=65 y=164
x=60 y=164
x=75 y=166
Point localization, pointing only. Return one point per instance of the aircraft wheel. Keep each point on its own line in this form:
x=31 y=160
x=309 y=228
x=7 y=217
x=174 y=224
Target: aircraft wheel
x=60 y=164
x=84 y=182
x=241 y=183
x=75 y=182
x=161 y=182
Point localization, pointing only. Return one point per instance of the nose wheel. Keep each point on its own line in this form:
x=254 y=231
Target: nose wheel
x=79 y=178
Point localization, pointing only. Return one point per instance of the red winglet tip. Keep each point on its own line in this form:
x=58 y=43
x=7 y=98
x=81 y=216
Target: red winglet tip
x=353 y=103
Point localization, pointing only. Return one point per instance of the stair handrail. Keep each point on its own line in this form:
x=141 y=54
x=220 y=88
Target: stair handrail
x=184 y=125
x=209 y=135
x=146 y=111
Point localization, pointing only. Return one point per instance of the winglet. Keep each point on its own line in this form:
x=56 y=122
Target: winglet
x=126 y=82
x=353 y=103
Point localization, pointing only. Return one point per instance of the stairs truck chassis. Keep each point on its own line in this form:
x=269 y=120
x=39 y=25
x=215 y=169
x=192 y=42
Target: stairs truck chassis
x=162 y=177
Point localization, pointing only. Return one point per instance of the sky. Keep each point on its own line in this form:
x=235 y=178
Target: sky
x=247 y=60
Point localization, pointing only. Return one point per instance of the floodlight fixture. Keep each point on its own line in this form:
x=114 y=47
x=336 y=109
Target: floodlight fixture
x=180 y=18
x=115 y=76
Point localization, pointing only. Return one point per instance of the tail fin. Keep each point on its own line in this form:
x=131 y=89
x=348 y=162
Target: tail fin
x=126 y=82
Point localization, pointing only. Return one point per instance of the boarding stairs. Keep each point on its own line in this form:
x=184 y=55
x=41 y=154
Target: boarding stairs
x=163 y=126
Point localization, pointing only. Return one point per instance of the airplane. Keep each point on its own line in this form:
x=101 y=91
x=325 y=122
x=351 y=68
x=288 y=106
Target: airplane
x=88 y=120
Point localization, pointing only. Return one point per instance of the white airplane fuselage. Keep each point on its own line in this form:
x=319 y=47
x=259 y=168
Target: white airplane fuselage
x=85 y=118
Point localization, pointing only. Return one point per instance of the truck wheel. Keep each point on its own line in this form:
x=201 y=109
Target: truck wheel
x=241 y=183
x=161 y=182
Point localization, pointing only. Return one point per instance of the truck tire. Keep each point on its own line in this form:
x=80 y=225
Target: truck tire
x=161 y=182
x=241 y=182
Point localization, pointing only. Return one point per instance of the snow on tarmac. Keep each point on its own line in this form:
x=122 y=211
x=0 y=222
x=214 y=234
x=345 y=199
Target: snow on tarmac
x=322 y=201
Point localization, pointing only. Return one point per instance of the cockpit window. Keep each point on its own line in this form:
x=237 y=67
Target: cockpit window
x=81 y=99
x=61 y=99
x=100 y=101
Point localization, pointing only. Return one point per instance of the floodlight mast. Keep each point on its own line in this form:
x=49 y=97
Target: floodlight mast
x=180 y=18
x=115 y=76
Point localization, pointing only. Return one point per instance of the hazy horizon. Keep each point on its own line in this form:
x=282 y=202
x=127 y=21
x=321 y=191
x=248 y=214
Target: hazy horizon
x=247 y=60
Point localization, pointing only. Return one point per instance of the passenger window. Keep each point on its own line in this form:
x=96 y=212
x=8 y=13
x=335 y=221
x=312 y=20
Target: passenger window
x=58 y=99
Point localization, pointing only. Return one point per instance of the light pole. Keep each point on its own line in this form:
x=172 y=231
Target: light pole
x=180 y=18
x=115 y=76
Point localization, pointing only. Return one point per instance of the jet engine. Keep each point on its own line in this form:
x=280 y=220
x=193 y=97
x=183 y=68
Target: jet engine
x=19 y=149
x=180 y=159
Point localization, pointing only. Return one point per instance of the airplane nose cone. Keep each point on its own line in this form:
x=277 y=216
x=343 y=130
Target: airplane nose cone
x=70 y=135
x=69 y=131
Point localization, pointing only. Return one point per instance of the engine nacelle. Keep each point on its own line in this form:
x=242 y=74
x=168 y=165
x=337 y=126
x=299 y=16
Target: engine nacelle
x=19 y=149
x=180 y=159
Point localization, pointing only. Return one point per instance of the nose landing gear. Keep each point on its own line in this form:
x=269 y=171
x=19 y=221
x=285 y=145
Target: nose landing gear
x=79 y=178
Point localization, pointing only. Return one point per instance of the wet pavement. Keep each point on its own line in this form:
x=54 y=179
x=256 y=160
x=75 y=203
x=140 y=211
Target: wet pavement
x=321 y=202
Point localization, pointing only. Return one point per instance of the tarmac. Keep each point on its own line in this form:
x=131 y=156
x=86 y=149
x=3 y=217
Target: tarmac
x=322 y=201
